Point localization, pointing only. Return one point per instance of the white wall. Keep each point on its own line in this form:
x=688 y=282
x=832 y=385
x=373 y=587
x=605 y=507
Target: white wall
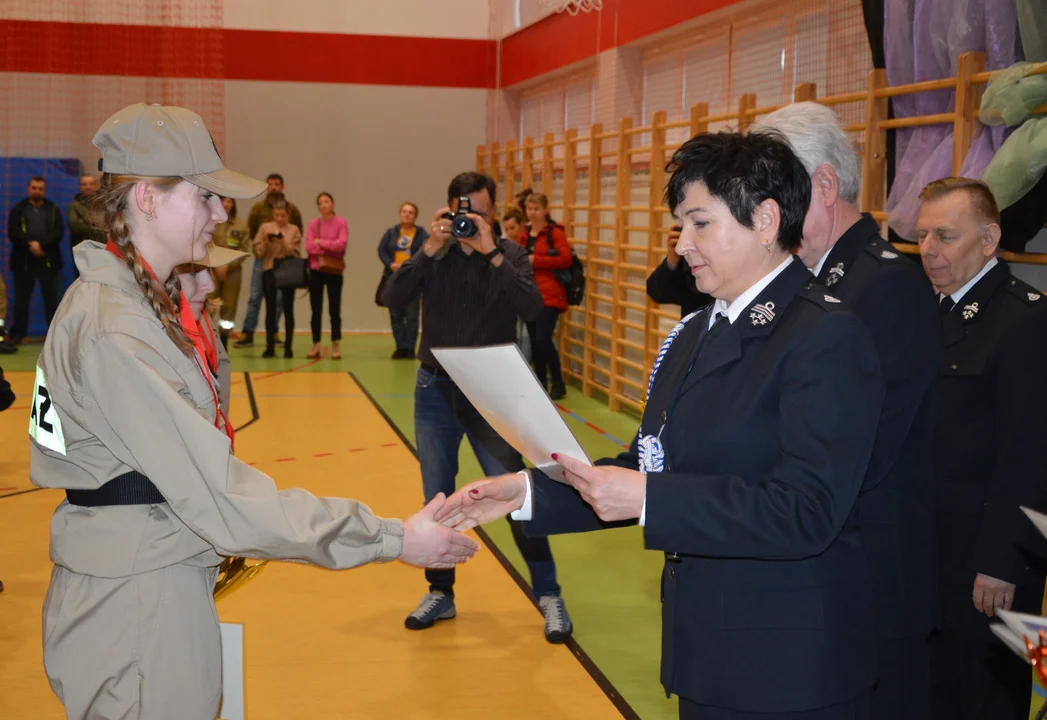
x=372 y=147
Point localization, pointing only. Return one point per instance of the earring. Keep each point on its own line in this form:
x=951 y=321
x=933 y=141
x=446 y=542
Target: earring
x=767 y=247
x=150 y=216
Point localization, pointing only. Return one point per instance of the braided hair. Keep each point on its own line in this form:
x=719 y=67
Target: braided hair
x=110 y=204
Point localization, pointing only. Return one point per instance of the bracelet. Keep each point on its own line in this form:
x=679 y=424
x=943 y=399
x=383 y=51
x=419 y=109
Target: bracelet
x=491 y=255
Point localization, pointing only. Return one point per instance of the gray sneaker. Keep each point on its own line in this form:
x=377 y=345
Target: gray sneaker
x=434 y=606
x=558 y=626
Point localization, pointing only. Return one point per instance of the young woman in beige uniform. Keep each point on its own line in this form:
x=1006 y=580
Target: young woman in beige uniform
x=125 y=419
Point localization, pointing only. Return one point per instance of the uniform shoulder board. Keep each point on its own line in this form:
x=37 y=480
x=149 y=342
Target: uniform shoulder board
x=1026 y=292
x=882 y=250
x=820 y=296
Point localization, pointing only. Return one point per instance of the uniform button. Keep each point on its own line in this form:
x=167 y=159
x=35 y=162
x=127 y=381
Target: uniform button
x=672 y=573
x=664 y=416
x=954 y=366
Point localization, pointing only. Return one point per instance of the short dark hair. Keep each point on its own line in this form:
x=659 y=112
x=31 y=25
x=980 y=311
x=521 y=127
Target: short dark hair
x=275 y=176
x=982 y=199
x=743 y=171
x=470 y=182
x=326 y=195
x=37 y=178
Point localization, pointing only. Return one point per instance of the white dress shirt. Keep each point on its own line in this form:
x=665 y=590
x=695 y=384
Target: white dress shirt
x=720 y=307
x=958 y=295
x=817 y=269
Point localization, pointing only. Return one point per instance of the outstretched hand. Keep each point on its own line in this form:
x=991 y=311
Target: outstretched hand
x=615 y=493
x=483 y=501
x=428 y=543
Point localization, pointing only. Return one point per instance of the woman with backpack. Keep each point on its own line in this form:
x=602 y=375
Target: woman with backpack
x=549 y=251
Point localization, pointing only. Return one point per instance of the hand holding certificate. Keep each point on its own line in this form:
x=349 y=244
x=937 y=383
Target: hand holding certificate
x=503 y=389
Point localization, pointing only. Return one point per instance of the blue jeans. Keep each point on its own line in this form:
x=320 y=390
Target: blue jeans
x=254 y=302
x=442 y=416
x=405 y=325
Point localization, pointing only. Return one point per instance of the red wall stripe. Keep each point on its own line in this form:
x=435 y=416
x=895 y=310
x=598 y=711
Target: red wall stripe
x=562 y=39
x=182 y=52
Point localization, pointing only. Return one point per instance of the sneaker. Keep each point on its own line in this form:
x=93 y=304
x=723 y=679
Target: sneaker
x=246 y=340
x=7 y=348
x=558 y=626
x=434 y=606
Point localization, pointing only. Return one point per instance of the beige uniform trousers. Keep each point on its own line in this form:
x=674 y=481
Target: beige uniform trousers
x=142 y=647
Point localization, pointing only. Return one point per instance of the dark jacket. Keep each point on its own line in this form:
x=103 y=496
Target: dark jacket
x=766 y=441
x=676 y=287
x=387 y=245
x=80 y=226
x=21 y=259
x=990 y=449
x=895 y=301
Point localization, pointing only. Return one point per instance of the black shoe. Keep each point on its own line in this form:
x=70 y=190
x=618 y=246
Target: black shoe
x=559 y=392
x=245 y=342
x=7 y=348
x=269 y=352
x=410 y=355
x=288 y=353
x=399 y=354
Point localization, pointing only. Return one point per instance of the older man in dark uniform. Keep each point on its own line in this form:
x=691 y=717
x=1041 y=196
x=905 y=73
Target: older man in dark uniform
x=990 y=453
x=843 y=247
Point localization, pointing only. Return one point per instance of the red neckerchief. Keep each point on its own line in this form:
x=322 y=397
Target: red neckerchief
x=203 y=341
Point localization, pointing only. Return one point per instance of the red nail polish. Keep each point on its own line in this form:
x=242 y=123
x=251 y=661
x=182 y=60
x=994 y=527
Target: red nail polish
x=474 y=491
x=555 y=456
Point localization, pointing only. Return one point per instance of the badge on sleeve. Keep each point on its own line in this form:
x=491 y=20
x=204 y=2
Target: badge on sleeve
x=44 y=425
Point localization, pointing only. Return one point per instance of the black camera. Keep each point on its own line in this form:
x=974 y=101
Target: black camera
x=462 y=226
x=274 y=236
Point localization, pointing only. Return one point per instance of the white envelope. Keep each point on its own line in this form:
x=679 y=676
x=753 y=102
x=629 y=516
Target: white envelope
x=502 y=387
x=1038 y=519
x=1018 y=627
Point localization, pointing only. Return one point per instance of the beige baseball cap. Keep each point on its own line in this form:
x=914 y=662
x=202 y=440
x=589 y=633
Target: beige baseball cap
x=221 y=256
x=168 y=141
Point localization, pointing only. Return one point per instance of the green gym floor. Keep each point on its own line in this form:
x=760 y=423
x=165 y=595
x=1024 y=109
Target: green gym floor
x=609 y=582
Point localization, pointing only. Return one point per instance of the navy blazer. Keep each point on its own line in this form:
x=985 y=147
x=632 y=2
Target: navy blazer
x=990 y=450
x=767 y=601
x=896 y=510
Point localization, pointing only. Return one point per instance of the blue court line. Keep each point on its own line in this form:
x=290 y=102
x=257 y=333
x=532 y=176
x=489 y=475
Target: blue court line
x=575 y=416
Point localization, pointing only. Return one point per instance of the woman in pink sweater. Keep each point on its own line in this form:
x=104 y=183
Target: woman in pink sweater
x=325 y=241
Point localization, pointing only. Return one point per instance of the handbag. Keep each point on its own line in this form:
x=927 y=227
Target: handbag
x=291 y=273
x=381 y=287
x=330 y=265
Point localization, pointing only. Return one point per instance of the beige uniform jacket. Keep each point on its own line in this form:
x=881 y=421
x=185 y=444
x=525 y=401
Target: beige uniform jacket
x=269 y=251
x=114 y=394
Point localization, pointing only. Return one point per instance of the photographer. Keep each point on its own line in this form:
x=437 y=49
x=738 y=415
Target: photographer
x=473 y=290
x=672 y=283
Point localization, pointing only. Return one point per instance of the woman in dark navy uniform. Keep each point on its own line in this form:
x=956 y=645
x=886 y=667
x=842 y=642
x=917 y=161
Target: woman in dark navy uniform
x=757 y=432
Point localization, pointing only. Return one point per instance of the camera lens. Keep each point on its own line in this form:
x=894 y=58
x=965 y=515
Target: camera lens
x=463 y=226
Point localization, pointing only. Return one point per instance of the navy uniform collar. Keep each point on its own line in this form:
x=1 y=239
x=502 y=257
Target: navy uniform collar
x=847 y=248
x=759 y=319
x=971 y=307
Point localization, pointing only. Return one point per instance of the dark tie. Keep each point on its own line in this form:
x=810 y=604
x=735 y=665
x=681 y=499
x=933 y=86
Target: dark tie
x=946 y=305
x=719 y=325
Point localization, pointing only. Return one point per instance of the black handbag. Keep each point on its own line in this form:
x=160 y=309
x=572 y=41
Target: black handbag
x=381 y=287
x=291 y=273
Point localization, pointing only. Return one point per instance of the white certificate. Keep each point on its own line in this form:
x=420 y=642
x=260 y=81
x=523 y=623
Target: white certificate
x=500 y=384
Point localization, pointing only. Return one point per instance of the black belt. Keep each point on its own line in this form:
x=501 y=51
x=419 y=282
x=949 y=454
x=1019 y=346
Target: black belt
x=131 y=488
x=671 y=557
x=438 y=372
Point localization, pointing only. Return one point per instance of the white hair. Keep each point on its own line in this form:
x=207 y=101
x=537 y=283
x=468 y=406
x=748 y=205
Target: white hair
x=817 y=138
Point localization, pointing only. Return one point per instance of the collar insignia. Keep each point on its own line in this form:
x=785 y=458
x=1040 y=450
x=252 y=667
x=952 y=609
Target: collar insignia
x=762 y=314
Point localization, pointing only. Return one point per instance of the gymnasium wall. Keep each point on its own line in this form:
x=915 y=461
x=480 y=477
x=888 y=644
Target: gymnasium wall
x=374 y=101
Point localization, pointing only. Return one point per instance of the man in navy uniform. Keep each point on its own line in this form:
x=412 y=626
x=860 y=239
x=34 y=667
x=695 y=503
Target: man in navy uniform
x=756 y=435
x=888 y=291
x=989 y=450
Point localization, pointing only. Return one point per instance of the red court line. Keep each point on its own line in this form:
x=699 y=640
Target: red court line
x=391 y=445
x=357 y=449
x=323 y=454
x=281 y=460
x=290 y=370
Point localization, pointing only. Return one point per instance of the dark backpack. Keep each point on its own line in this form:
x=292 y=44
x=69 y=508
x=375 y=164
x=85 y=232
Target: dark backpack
x=572 y=278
